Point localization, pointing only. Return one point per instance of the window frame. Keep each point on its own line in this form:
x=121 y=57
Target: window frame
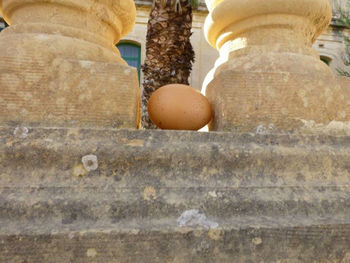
x=2 y=20
x=326 y=60
x=138 y=59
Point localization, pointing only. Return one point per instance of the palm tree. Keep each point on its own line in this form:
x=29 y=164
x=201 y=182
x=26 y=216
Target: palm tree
x=344 y=20
x=169 y=53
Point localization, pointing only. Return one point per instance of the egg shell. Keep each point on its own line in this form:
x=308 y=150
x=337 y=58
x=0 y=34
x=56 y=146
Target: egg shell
x=179 y=107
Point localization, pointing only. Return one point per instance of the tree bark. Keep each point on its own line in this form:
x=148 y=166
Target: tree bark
x=169 y=53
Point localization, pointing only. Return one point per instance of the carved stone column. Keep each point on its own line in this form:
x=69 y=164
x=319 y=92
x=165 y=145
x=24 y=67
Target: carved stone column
x=268 y=75
x=59 y=64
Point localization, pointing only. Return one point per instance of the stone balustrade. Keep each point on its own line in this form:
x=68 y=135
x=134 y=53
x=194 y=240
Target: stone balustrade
x=74 y=194
x=268 y=74
x=60 y=66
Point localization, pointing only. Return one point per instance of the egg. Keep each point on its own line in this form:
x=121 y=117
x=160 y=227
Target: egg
x=179 y=107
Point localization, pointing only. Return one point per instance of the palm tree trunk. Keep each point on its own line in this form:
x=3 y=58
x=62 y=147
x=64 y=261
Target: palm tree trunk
x=169 y=53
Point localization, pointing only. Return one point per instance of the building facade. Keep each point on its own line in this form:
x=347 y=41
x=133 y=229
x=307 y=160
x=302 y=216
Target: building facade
x=205 y=55
x=329 y=45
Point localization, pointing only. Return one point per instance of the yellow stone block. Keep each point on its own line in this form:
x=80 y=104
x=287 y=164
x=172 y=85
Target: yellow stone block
x=59 y=64
x=268 y=74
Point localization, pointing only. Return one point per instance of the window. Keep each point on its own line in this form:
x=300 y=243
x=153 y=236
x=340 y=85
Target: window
x=131 y=53
x=2 y=24
x=326 y=60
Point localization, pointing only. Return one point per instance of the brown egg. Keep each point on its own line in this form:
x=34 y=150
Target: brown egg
x=179 y=107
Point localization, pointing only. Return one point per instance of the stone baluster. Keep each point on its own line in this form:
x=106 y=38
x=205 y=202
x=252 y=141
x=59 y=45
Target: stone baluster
x=268 y=75
x=59 y=64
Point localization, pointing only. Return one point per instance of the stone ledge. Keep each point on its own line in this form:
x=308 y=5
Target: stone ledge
x=258 y=197
x=322 y=243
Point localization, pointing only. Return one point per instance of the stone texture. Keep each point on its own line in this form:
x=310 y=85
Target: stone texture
x=106 y=195
x=60 y=66
x=84 y=195
x=268 y=73
x=345 y=83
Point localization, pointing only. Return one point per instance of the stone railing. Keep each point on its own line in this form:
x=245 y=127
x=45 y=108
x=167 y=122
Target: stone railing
x=60 y=65
x=268 y=75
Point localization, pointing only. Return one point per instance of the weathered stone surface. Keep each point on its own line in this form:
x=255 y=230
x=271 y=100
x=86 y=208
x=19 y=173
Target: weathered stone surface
x=59 y=66
x=70 y=195
x=272 y=99
x=345 y=83
x=268 y=73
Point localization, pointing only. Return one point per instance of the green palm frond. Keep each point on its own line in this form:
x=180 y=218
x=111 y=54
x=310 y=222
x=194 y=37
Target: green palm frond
x=194 y=3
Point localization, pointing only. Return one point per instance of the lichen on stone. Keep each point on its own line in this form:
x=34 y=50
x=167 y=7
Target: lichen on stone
x=79 y=170
x=90 y=162
x=193 y=218
x=263 y=130
x=21 y=132
x=332 y=128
